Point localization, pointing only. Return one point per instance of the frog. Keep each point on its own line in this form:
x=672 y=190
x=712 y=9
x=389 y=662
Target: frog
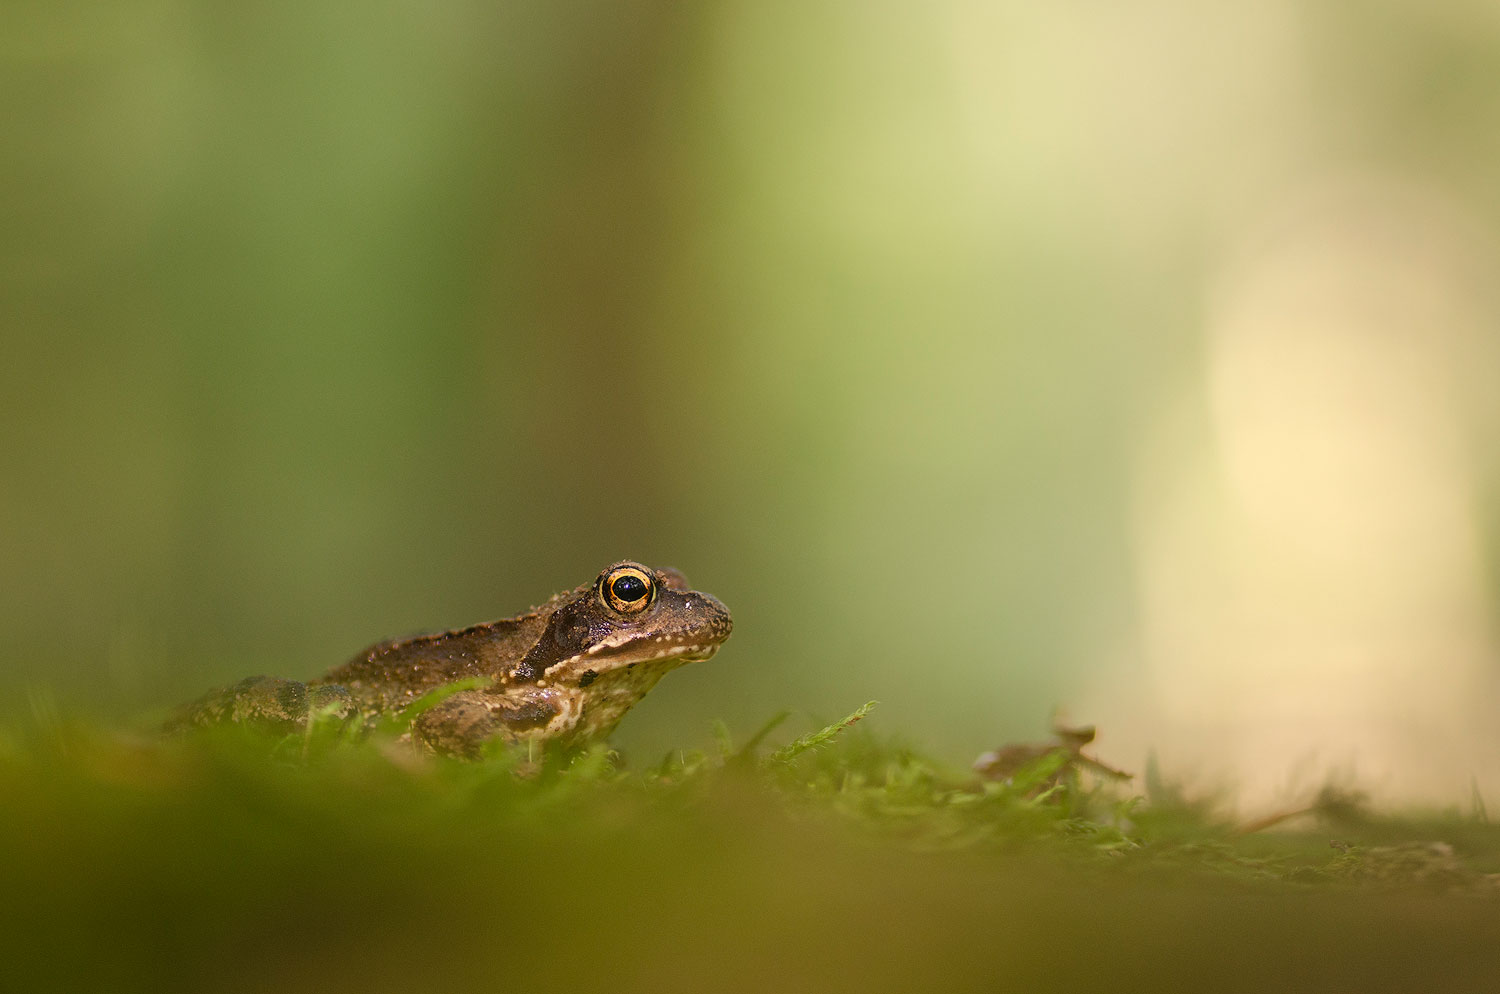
x=561 y=674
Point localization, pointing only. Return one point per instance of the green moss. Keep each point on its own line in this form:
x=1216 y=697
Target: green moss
x=844 y=859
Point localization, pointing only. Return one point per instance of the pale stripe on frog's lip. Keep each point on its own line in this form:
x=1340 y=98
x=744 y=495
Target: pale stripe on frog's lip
x=624 y=639
x=685 y=653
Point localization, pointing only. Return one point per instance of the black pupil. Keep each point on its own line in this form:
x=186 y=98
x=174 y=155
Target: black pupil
x=629 y=588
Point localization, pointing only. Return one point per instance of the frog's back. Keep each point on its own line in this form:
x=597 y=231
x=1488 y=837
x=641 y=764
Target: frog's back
x=397 y=671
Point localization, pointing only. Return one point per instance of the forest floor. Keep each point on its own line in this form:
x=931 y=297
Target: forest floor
x=228 y=860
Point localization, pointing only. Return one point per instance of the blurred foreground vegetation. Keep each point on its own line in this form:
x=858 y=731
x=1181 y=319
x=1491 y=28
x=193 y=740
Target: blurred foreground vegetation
x=840 y=860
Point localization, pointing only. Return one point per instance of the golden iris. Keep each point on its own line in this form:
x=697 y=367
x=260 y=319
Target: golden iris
x=628 y=590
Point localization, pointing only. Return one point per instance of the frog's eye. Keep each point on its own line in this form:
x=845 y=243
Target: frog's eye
x=627 y=590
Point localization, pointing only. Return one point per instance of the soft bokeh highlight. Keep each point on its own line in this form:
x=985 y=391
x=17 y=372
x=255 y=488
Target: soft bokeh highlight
x=1138 y=360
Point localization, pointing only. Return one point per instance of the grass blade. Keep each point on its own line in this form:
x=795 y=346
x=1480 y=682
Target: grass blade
x=399 y=722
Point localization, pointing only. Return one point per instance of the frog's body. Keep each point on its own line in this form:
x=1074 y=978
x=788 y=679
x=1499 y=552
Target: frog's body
x=564 y=672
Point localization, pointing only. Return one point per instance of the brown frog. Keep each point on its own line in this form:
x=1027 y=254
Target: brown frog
x=565 y=672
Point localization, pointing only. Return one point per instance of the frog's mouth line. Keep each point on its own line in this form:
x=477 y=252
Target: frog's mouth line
x=637 y=654
x=651 y=653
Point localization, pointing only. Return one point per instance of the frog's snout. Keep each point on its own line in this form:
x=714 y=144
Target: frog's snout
x=717 y=623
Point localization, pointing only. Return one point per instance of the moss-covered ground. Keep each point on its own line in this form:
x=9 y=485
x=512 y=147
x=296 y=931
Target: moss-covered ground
x=229 y=860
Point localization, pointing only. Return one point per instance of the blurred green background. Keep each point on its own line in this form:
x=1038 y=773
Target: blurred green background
x=326 y=321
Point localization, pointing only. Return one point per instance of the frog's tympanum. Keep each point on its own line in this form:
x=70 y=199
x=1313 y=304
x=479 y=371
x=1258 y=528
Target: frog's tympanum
x=564 y=672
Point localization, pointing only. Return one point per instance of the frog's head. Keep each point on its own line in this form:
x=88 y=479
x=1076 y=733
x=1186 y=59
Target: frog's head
x=631 y=620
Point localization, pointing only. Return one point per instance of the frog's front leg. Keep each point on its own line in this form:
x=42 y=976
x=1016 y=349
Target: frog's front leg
x=462 y=724
x=267 y=702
